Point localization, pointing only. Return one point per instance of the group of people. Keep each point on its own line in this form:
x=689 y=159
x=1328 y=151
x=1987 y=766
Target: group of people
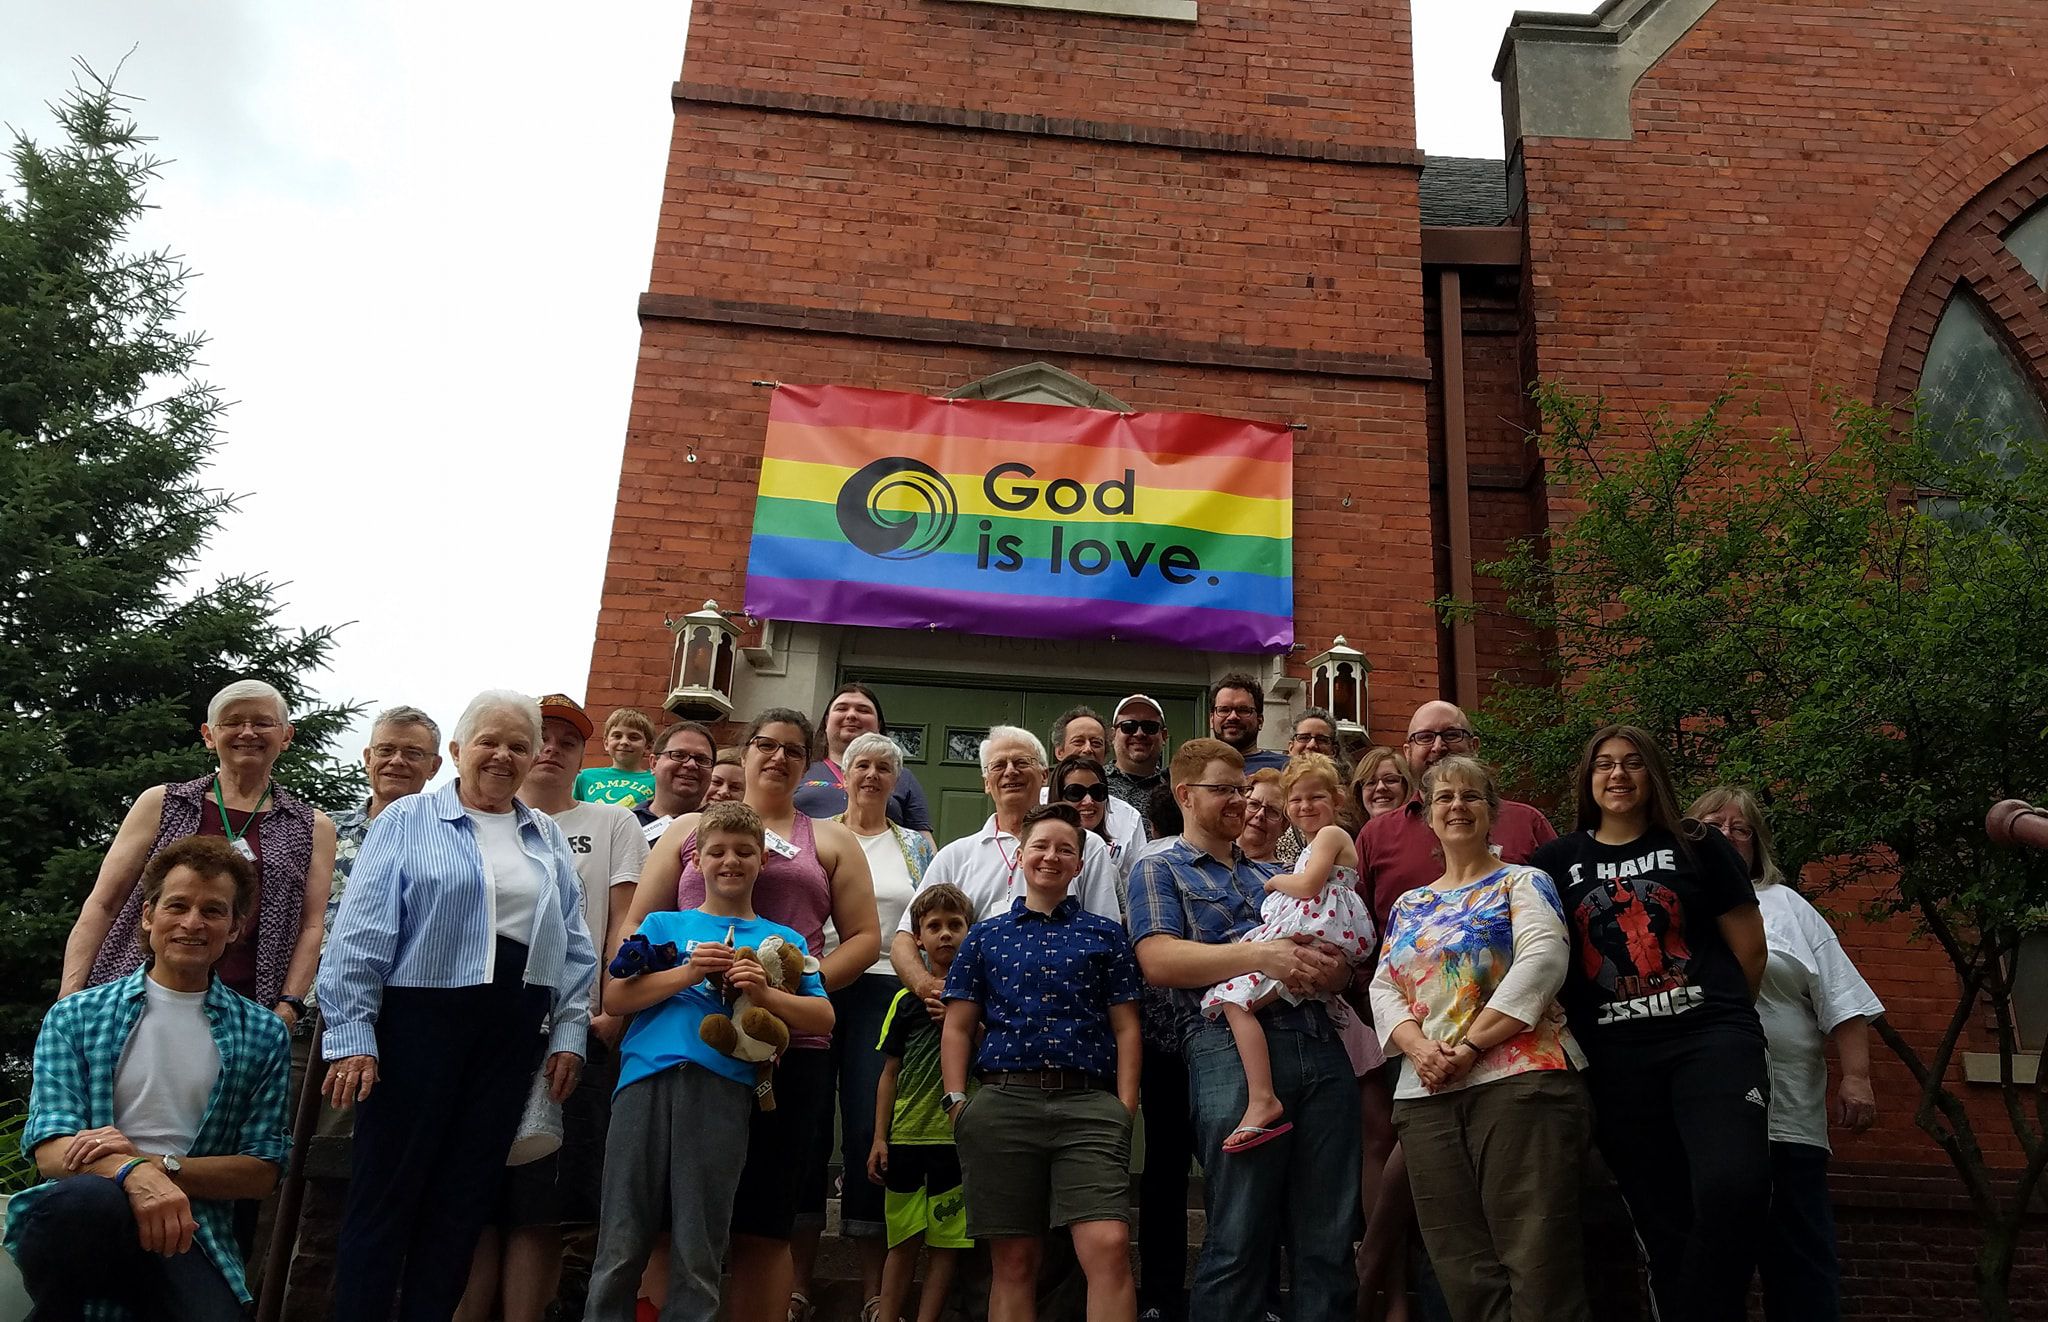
x=1371 y=1003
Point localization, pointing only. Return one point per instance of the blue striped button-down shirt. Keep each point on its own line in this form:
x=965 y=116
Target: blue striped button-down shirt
x=78 y=1053
x=420 y=912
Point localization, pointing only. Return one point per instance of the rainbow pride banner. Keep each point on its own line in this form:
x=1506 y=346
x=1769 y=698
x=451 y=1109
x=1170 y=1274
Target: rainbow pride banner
x=1033 y=521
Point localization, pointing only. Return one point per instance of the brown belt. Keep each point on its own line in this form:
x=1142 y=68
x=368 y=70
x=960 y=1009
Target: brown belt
x=1050 y=1080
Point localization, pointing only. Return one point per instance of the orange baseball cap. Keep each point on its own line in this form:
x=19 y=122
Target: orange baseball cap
x=565 y=708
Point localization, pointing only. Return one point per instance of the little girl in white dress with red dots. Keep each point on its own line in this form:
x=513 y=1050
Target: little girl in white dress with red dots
x=1318 y=900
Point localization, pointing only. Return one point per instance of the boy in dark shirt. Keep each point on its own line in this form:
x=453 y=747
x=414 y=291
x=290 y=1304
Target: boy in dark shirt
x=913 y=1157
x=1047 y=1140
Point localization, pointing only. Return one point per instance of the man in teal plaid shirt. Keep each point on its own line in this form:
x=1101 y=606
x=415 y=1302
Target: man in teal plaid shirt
x=158 y=1100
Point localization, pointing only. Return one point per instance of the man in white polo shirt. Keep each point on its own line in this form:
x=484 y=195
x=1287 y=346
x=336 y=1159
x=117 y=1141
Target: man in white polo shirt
x=984 y=865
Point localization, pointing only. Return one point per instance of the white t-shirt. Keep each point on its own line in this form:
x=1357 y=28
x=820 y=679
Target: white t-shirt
x=893 y=887
x=1126 y=827
x=167 y=1072
x=509 y=871
x=1810 y=989
x=609 y=848
x=985 y=866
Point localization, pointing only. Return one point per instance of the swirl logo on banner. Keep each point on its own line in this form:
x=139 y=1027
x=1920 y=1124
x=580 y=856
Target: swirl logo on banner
x=902 y=511
x=870 y=513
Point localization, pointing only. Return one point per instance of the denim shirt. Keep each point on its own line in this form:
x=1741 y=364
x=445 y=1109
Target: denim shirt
x=1185 y=892
x=420 y=912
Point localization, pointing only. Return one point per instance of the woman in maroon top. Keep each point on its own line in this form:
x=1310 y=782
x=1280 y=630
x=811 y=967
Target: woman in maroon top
x=291 y=843
x=813 y=872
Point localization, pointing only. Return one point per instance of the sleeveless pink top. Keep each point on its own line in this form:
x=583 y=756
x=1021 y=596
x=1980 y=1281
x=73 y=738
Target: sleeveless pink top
x=792 y=891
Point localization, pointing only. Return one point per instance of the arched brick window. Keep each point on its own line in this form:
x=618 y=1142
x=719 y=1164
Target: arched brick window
x=1972 y=332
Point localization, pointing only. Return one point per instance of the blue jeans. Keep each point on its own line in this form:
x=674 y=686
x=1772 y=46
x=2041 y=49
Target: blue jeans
x=79 y=1246
x=1306 y=1180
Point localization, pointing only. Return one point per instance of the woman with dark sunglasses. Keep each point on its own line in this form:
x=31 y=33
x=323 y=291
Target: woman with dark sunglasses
x=1081 y=782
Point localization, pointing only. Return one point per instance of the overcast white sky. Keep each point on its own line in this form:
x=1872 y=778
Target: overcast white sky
x=419 y=232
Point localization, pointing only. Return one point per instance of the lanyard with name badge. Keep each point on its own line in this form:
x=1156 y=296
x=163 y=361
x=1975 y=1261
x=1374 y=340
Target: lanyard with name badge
x=238 y=840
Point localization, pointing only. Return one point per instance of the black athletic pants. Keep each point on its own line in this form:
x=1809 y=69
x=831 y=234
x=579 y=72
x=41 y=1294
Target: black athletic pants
x=454 y=1067
x=1683 y=1126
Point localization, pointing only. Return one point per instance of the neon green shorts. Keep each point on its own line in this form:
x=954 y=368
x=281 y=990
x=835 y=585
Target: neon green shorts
x=922 y=1196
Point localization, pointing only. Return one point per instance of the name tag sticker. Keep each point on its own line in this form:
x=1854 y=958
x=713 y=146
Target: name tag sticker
x=245 y=849
x=777 y=845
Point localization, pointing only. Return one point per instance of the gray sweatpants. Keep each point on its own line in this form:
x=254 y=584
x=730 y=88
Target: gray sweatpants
x=676 y=1144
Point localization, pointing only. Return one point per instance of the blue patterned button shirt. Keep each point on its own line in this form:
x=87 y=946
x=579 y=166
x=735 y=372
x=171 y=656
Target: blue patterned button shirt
x=1185 y=892
x=78 y=1052
x=1045 y=982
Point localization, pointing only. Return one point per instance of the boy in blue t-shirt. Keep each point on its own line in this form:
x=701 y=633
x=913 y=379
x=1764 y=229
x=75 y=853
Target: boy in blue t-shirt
x=680 y=1117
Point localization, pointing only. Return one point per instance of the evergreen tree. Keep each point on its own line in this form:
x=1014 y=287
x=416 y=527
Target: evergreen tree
x=108 y=652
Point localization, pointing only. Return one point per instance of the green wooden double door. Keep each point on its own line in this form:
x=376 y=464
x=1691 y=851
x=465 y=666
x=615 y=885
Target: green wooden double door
x=941 y=724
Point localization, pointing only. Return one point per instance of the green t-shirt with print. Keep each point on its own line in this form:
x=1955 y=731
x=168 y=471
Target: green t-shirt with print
x=910 y=1035
x=627 y=789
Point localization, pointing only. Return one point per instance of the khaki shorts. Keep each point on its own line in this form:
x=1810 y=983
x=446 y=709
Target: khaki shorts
x=1032 y=1159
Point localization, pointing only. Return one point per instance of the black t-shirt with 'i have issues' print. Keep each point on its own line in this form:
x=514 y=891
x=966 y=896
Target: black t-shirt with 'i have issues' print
x=1648 y=957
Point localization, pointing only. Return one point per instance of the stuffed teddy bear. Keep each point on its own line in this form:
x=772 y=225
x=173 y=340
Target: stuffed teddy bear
x=751 y=1033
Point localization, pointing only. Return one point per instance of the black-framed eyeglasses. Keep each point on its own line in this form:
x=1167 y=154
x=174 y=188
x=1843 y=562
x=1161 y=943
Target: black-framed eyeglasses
x=1634 y=764
x=767 y=747
x=1075 y=793
x=1234 y=711
x=1141 y=727
x=698 y=760
x=1315 y=740
x=1454 y=735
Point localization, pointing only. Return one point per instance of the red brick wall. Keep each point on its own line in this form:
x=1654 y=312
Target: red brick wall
x=1338 y=72
x=1736 y=229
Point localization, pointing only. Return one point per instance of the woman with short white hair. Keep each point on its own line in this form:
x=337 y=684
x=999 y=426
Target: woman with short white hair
x=291 y=843
x=460 y=939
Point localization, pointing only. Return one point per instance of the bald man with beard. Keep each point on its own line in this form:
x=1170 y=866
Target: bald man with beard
x=1397 y=851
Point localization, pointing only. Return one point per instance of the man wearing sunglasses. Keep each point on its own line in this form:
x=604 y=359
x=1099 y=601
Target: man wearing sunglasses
x=1138 y=731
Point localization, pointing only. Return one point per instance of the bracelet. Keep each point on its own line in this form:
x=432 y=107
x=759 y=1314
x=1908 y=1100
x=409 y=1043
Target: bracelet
x=120 y=1176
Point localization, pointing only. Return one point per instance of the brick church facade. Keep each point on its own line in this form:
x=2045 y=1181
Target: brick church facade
x=1218 y=206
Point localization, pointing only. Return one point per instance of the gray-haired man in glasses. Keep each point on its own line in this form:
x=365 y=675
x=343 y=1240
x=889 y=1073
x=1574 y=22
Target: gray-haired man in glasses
x=402 y=756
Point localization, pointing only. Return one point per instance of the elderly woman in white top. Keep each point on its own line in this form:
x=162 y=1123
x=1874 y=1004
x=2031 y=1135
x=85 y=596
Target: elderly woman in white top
x=1492 y=1115
x=871 y=765
x=460 y=958
x=1811 y=995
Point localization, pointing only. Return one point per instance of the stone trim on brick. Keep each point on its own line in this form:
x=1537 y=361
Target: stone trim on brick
x=1042 y=126
x=1573 y=75
x=1033 y=339
x=1969 y=252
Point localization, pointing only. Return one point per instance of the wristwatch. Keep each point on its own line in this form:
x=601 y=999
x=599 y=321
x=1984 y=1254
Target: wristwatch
x=172 y=1166
x=947 y=1101
x=298 y=1007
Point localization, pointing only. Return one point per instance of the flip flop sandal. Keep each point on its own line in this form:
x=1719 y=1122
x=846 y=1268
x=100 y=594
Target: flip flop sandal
x=1260 y=1136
